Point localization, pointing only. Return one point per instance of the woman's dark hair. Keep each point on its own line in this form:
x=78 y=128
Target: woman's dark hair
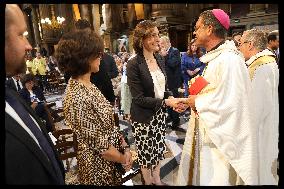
x=198 y=51
x=236 y=33
x=27 y=78
x=75 y=51
x=82 y=24
x=142 y=30
x=189 y=52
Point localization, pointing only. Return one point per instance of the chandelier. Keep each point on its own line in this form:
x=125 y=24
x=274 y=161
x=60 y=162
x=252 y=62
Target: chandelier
x=53 y=24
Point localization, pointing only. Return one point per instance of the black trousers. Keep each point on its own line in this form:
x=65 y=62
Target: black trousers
x=173 y=115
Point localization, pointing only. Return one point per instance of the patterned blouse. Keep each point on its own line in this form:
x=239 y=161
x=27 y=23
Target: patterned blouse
x=90 y=116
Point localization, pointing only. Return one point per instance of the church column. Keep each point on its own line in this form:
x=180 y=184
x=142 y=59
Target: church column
x=147 y=11
x=45 y=13
x=131 y=15
x=107 y=14
x=107 y=43
x=96 y=17
x=84 y=11
x=130 y=41
x=27 y=14
x=36 y=24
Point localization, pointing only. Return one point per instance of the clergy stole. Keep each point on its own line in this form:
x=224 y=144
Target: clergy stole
x=259 y=62
x=194 y=165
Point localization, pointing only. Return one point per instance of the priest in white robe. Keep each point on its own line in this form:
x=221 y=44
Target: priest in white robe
x=264 y=74
x=220 y=147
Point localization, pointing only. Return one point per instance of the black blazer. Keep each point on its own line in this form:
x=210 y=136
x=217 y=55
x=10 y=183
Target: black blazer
x=140 y=82
x=25 y=163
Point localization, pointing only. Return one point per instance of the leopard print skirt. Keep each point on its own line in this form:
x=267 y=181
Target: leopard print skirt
x=150 y=140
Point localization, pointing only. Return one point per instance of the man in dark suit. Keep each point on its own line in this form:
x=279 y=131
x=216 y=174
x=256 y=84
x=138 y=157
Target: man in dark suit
x=14 y=83
x=110 y=66
x=173 y=70
x=30 y=157
x=102 y=79
x=273 y=44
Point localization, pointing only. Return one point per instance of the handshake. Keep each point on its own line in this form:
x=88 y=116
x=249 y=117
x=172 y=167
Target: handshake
x=181 y=104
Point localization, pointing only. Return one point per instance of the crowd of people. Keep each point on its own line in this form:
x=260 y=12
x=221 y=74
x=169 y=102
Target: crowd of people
x=230 y=86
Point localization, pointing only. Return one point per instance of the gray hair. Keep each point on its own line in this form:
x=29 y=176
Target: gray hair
x=166 y=39
x=210 y=19
x=258 y=38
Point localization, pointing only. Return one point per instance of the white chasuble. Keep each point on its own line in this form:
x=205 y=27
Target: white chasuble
x=265 y=81
x=225 y=138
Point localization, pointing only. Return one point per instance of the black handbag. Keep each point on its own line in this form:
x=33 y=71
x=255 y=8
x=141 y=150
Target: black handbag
x=119 y=166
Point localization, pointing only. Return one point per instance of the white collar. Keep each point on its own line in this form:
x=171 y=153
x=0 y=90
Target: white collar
x=259 y=54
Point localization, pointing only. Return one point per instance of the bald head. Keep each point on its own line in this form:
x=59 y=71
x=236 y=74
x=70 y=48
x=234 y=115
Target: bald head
x=12 y=13
x=16 y=44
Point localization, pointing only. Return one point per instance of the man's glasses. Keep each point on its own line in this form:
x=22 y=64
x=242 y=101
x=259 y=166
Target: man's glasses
x=240 y=44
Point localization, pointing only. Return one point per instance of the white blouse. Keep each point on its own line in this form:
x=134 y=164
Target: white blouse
x=159 y=83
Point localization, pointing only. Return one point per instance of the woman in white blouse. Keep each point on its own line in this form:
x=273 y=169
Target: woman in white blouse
x=146 y=78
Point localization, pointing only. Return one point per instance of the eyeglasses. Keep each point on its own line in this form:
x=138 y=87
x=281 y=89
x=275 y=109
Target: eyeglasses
x=240 y=44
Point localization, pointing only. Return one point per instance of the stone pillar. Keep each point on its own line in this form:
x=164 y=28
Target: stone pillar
x=131 y=15
x=107 y=14
x=70 y=18
x=96 y=17
x=27 y=14
x=257 y=8
x=162 y=10
x=130 y=41
x=147 y=11
x=45 y=12
x=139 y=10
x=38 y=33
x=116 y=17
x=107 y=42
x=84 y=11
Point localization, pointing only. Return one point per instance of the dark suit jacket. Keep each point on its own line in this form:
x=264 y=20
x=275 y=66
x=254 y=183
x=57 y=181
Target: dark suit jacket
x=140 y=82
x=25 y=163
x=10 y=83
x=102 y=80
x=173 y=68
x=25 y=94
x=110 y=66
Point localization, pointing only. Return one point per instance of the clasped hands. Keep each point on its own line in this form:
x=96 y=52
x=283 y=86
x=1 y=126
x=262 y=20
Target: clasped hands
x=181 y=104
x=192 y=73
x=128 y=156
